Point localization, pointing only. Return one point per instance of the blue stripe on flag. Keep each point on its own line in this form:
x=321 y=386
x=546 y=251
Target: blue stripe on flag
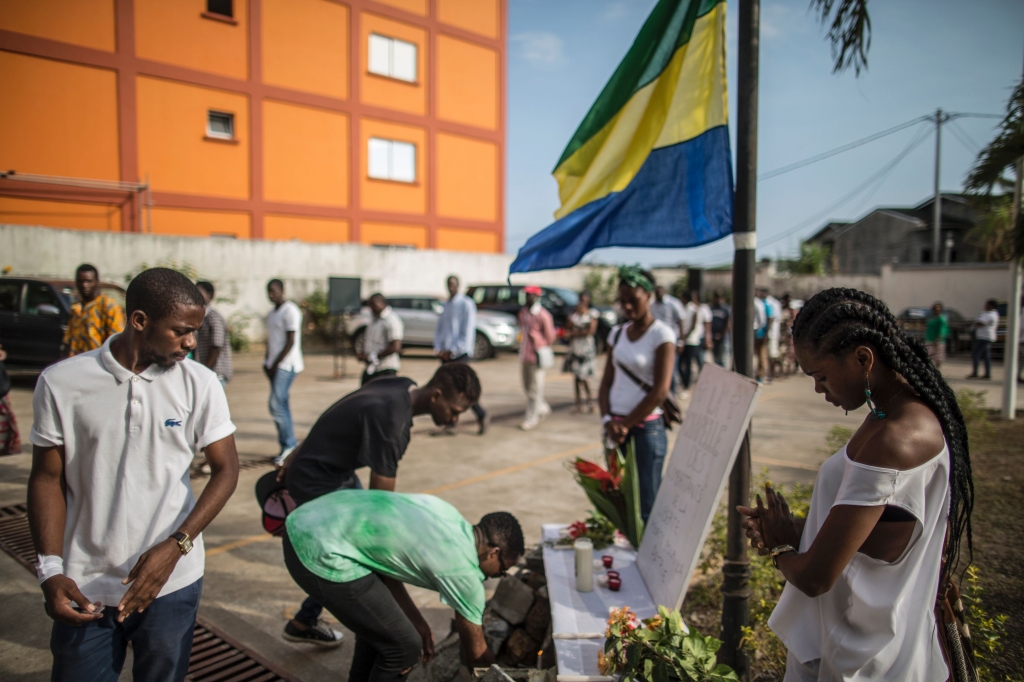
x=681 y=197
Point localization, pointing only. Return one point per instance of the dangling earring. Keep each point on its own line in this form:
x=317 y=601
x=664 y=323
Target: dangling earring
x=871 y=405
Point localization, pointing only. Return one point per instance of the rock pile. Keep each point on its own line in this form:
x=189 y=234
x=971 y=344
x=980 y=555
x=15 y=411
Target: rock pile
x=517 y=625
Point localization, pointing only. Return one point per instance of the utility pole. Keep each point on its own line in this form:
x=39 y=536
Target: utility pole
x=736 y=567
x=1010 y=367
x=937 y=207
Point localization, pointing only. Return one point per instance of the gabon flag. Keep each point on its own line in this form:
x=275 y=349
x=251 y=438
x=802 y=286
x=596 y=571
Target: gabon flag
x=650 y=164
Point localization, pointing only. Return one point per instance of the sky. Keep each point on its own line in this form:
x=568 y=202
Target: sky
x=925 y=54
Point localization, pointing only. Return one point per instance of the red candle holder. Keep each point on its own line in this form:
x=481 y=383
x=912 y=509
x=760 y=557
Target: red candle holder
x=614 y=574
x=614 y=584
x=608 y=560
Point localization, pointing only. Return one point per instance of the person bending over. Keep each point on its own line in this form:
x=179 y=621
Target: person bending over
x=367 y=428
x=862 y=570
x=355 y=551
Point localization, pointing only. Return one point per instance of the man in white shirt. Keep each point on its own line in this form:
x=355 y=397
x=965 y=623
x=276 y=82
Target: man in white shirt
x=283 y=361
x=454 y=339
x=761 y=333
x=773 y=308
x=669 y=309
x=113 y=517
x=697 y=330
x=985 y=330
x=382 y=341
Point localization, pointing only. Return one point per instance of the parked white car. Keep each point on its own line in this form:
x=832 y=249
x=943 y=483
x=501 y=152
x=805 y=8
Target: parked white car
x=494 y=330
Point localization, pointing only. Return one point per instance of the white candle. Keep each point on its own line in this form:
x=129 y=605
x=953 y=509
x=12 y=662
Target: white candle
x=584 y=549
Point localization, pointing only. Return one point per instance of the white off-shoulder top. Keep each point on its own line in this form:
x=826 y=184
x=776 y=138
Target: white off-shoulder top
x=877 y=622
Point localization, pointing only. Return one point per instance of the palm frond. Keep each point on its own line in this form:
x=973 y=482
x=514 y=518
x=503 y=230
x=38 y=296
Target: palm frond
x=849 y=32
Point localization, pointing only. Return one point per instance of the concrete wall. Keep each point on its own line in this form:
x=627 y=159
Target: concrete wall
x=798 y=286
x=240 y=268
x=962 y=287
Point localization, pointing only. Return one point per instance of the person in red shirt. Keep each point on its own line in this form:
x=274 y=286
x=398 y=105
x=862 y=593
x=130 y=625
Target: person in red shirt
x=535 y=355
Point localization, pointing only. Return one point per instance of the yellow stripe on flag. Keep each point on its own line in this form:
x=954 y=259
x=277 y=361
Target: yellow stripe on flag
x=687 y=99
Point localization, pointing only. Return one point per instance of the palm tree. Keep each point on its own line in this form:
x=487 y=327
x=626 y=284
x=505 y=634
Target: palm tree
x=849 y=32
x=1004 y=153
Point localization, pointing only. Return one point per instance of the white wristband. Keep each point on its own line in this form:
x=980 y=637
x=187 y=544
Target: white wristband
x=48 y=566
x=605 y=419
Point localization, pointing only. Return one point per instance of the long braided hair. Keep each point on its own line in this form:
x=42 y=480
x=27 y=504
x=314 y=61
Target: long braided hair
x=836 y=320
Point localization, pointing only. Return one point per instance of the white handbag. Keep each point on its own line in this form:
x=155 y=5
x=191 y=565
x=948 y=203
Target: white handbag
x=545 y=357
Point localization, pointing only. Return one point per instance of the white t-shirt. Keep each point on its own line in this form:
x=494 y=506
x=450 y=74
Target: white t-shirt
x=693 y=323
x=990 y=320
x=379 y=335
x=280 y=321
x=638 y=357
x=128 y=443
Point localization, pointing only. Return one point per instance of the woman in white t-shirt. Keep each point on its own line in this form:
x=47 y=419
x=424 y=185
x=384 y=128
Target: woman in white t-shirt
x=863 y=568
x=637 y=379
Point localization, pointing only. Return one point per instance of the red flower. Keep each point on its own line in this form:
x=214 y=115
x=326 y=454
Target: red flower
x=594 y=472
x=578 y=529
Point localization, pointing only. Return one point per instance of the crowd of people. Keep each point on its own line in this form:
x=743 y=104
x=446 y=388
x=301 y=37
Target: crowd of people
x=118 y=530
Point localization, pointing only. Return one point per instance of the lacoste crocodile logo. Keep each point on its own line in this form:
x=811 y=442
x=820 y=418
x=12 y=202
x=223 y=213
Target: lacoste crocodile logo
x=172 y=422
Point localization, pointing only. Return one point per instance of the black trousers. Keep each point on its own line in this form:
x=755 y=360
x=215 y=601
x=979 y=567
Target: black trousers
x=477 y=410
x=387 y=644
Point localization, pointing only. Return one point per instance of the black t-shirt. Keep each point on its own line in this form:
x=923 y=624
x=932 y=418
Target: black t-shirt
x=367 y=428
x=719 y=320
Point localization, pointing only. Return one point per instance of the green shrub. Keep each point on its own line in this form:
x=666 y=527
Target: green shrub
x=238 y=324
x=837 y=437
x=972 y=406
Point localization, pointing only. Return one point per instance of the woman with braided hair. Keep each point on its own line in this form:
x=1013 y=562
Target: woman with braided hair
x=863 y=568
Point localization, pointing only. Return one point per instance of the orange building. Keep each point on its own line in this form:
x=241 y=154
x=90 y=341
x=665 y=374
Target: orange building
x=373 y=121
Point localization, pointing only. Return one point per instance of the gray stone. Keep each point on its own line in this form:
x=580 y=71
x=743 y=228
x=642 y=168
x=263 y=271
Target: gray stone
x=495 y=674
x=521 y=649
x=538 y=620
x=535 y=559
x=444 y=667
x=496 y=630
x=512 y=600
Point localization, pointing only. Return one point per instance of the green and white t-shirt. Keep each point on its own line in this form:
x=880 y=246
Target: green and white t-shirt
x=416 y=539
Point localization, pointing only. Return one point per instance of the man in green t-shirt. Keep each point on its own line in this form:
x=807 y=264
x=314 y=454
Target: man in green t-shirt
x=935 y=332
x=354 y=551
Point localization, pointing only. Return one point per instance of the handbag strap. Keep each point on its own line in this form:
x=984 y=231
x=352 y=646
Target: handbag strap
x=644 y=386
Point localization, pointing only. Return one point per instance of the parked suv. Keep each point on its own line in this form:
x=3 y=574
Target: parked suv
x=419 y=315
x=33 y=316
x=509 y=298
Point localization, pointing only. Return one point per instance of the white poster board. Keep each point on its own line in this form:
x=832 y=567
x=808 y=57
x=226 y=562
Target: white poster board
x=709 y=438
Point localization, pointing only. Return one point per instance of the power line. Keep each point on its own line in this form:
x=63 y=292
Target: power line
x=881 y=173
x=962 y=135
x=840 y=150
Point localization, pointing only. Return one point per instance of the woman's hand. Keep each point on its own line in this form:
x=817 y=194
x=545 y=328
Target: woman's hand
x=776 y=521
x=752 y=526
x=616 y=431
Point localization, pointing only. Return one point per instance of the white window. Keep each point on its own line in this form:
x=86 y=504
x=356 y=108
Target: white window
x=392 y=57
x=220 y=125
x=392 y=160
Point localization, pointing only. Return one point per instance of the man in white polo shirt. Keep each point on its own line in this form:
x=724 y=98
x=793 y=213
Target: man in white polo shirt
x=113 y=517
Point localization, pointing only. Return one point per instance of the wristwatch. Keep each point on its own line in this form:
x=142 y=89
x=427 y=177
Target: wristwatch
x=781 y=549
x=184 y=542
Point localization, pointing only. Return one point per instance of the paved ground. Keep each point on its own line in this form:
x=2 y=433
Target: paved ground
x=248 y=592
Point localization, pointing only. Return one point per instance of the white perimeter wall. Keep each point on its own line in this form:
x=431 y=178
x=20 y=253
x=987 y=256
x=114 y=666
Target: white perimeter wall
x=964 y=288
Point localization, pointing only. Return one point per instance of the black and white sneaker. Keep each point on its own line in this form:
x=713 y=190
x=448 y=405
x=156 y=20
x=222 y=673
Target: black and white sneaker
x=318 y=634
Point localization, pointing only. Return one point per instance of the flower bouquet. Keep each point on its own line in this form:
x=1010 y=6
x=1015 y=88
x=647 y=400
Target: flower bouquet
x=659 y=649
x=600 y=530
x=615 y=492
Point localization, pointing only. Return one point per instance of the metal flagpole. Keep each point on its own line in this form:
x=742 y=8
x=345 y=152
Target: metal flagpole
x=736 y=567
x=937 y=204
x=1010 y=366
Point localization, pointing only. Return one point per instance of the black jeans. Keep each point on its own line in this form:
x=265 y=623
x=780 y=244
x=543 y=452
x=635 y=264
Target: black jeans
x=387 y=644
x=686 y=359
x=477 y=410
x=982 y=350
x=367 y=378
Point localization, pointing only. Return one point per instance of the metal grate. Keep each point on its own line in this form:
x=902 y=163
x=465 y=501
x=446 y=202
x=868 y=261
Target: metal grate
x=243 y=464
x=216 y=657
x=15 y=536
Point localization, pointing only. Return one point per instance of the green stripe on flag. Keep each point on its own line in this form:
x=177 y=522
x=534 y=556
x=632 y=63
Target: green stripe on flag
x=666 y=30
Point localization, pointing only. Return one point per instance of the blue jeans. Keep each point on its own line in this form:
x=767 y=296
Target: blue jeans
x=161 y=638
x=280 y=410
x=982 y=350
x=651 y=445
x=686 y=358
